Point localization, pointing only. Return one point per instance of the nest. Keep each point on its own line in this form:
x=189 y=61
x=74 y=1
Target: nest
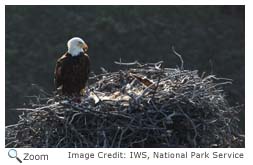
x=142 y=106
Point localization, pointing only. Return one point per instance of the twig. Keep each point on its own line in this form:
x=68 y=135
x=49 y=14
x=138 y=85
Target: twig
x=179 y=56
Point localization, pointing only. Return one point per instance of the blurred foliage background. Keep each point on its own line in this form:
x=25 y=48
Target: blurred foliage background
x=211 y=39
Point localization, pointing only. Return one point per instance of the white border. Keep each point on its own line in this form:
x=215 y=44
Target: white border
x=123 y=2
x=58 y=153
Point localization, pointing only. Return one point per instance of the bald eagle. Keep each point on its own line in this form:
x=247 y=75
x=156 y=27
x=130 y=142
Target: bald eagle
x=72 y=68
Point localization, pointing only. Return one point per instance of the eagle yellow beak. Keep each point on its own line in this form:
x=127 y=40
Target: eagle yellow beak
x=85 y=47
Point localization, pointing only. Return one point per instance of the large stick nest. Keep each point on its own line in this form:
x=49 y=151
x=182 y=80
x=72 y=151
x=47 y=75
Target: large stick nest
x=144 y=106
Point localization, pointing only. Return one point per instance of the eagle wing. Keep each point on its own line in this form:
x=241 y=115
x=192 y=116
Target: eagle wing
x=85 y=67
x=87 y=63
x=58 y=77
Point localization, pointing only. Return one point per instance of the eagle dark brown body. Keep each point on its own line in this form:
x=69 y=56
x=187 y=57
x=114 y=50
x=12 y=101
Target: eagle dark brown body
x=72 y=73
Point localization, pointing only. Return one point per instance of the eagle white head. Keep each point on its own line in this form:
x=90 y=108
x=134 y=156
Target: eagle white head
x=76 y=45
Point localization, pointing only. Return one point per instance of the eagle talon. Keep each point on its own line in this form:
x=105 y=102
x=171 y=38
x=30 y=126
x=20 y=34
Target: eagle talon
x=83 y=92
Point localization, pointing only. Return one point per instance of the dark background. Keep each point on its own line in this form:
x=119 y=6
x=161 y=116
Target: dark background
x=210 y=39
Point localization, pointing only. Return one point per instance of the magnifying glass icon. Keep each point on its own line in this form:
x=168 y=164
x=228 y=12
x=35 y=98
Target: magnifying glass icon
x=13 y=154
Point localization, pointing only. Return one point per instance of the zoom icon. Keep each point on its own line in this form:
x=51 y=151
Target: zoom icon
x=13 y=154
